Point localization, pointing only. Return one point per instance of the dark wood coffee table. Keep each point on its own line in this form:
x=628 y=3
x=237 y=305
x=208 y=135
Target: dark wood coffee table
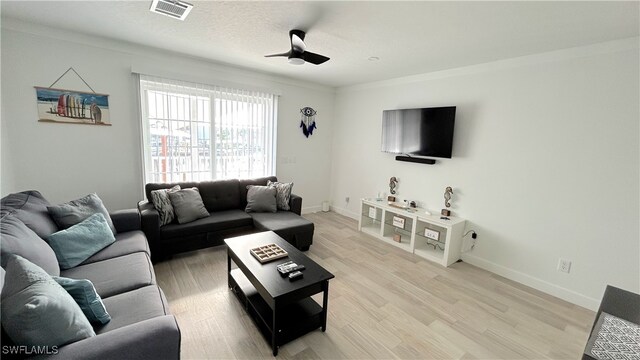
x=283 y=310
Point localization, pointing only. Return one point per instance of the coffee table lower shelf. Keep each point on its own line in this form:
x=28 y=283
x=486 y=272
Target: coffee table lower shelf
x=297 y=319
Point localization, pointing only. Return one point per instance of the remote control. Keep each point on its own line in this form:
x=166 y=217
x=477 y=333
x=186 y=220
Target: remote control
x=295 y=275
x=285 y=272
x=286 y=266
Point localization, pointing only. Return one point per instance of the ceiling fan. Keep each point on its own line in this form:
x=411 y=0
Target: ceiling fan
x=298 y=54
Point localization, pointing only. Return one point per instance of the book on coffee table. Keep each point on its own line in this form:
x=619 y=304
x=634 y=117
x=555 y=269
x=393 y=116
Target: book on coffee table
x=268 y=252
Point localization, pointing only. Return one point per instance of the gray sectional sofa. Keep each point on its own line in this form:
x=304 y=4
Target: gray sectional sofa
x=141 y=326
x=225 y=200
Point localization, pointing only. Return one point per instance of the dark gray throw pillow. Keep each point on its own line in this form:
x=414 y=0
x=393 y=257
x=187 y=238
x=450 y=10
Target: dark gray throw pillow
x=18 y=239
x=261 y=199
x=187 y=205
x=76 y=211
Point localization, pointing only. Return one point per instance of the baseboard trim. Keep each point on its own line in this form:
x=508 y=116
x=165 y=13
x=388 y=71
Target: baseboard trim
x=344 y=212
x=311 y=209
x=538 y=284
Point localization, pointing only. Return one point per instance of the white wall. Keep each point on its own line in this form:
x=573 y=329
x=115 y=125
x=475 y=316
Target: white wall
x=67 y=161
x=545 y=163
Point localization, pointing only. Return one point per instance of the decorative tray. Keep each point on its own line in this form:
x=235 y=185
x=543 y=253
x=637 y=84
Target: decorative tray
x=268 y=252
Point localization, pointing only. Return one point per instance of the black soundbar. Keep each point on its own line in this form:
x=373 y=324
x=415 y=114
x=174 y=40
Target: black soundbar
x=415 y=160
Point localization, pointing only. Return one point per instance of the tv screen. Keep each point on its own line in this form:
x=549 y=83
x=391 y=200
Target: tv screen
x=423 y=132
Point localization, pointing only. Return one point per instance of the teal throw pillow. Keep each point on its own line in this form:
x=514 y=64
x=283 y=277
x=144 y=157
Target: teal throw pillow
x=77 y=243
x=36 y=311
x=85 y=295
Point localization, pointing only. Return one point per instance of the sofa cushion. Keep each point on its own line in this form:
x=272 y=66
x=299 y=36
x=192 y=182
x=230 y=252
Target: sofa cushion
x=134 y=306
x=16 y=238
x=246 y=182
x=220 y=195
x=86 y=296
x=126 y=243
x=117 y=275
x=75 y=211
x=31 y=208
x=261 y=199
x=36 y=311
x=219 y=220
x=284 y=223
x=77 y=243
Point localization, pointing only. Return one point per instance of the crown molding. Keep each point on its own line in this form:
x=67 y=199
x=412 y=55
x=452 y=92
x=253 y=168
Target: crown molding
x=621 y=45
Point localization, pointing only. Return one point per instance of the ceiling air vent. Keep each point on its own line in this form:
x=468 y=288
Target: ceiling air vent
x=175 y=9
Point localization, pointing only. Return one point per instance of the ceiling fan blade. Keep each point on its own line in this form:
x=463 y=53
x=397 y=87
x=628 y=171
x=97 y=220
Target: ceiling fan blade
x=313 y=58
x=297 y=43
x=283 y=54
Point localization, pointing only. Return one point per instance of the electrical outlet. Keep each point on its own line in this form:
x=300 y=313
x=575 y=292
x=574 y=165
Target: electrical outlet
x=564 y=265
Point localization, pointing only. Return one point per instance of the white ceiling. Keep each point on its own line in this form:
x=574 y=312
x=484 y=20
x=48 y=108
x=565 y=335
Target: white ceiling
x=408 y=37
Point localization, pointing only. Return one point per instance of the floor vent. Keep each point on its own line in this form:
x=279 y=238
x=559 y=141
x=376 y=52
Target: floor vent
x=175 y=9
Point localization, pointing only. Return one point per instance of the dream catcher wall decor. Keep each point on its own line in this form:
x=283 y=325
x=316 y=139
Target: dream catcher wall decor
x=308 y=121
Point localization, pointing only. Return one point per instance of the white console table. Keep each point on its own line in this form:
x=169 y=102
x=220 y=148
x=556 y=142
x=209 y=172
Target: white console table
x=428 y=236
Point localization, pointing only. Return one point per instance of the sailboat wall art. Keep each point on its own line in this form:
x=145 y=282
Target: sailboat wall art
x=72 y=107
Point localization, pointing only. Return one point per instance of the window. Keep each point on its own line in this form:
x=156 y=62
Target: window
x=194 y=132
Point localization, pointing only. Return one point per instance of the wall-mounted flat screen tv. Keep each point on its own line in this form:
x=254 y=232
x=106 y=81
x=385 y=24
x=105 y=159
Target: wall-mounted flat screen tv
x=424 y=132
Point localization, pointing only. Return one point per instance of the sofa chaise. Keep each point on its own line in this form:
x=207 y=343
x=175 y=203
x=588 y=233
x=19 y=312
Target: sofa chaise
x=225 y=200
x=141 y=326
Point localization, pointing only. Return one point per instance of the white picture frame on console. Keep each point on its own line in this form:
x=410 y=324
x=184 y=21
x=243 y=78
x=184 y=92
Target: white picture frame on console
x=372 y=213
x=398 y=222
x=432 y=234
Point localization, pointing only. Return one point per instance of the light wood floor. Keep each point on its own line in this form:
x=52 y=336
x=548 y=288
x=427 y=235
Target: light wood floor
x=384 y=303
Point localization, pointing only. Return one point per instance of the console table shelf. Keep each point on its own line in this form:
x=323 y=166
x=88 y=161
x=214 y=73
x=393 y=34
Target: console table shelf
x=382 y=221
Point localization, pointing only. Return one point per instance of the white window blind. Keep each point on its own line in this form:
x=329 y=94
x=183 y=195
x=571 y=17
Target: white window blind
x=195 y=132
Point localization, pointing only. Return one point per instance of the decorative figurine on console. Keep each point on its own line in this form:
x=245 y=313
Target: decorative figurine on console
x=448 y=191
x=393 y=183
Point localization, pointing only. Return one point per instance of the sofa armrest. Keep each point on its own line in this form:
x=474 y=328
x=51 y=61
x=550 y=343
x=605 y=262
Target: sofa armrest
x=295 y=204
x=156 y=338
x=150 y=220
x=126 y=220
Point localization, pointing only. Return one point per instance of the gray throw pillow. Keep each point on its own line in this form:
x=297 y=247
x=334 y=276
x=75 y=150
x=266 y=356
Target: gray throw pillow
x=36 y=311
x=162 y=203
x=79 y=242
x=74 y=212
x=261 y=199
x=17 y=239
x=86 y=296
x=188 y=205
x=283 y=193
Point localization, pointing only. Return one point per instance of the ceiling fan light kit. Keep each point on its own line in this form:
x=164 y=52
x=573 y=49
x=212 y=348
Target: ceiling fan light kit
x=296 y=61
x=298 y=54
